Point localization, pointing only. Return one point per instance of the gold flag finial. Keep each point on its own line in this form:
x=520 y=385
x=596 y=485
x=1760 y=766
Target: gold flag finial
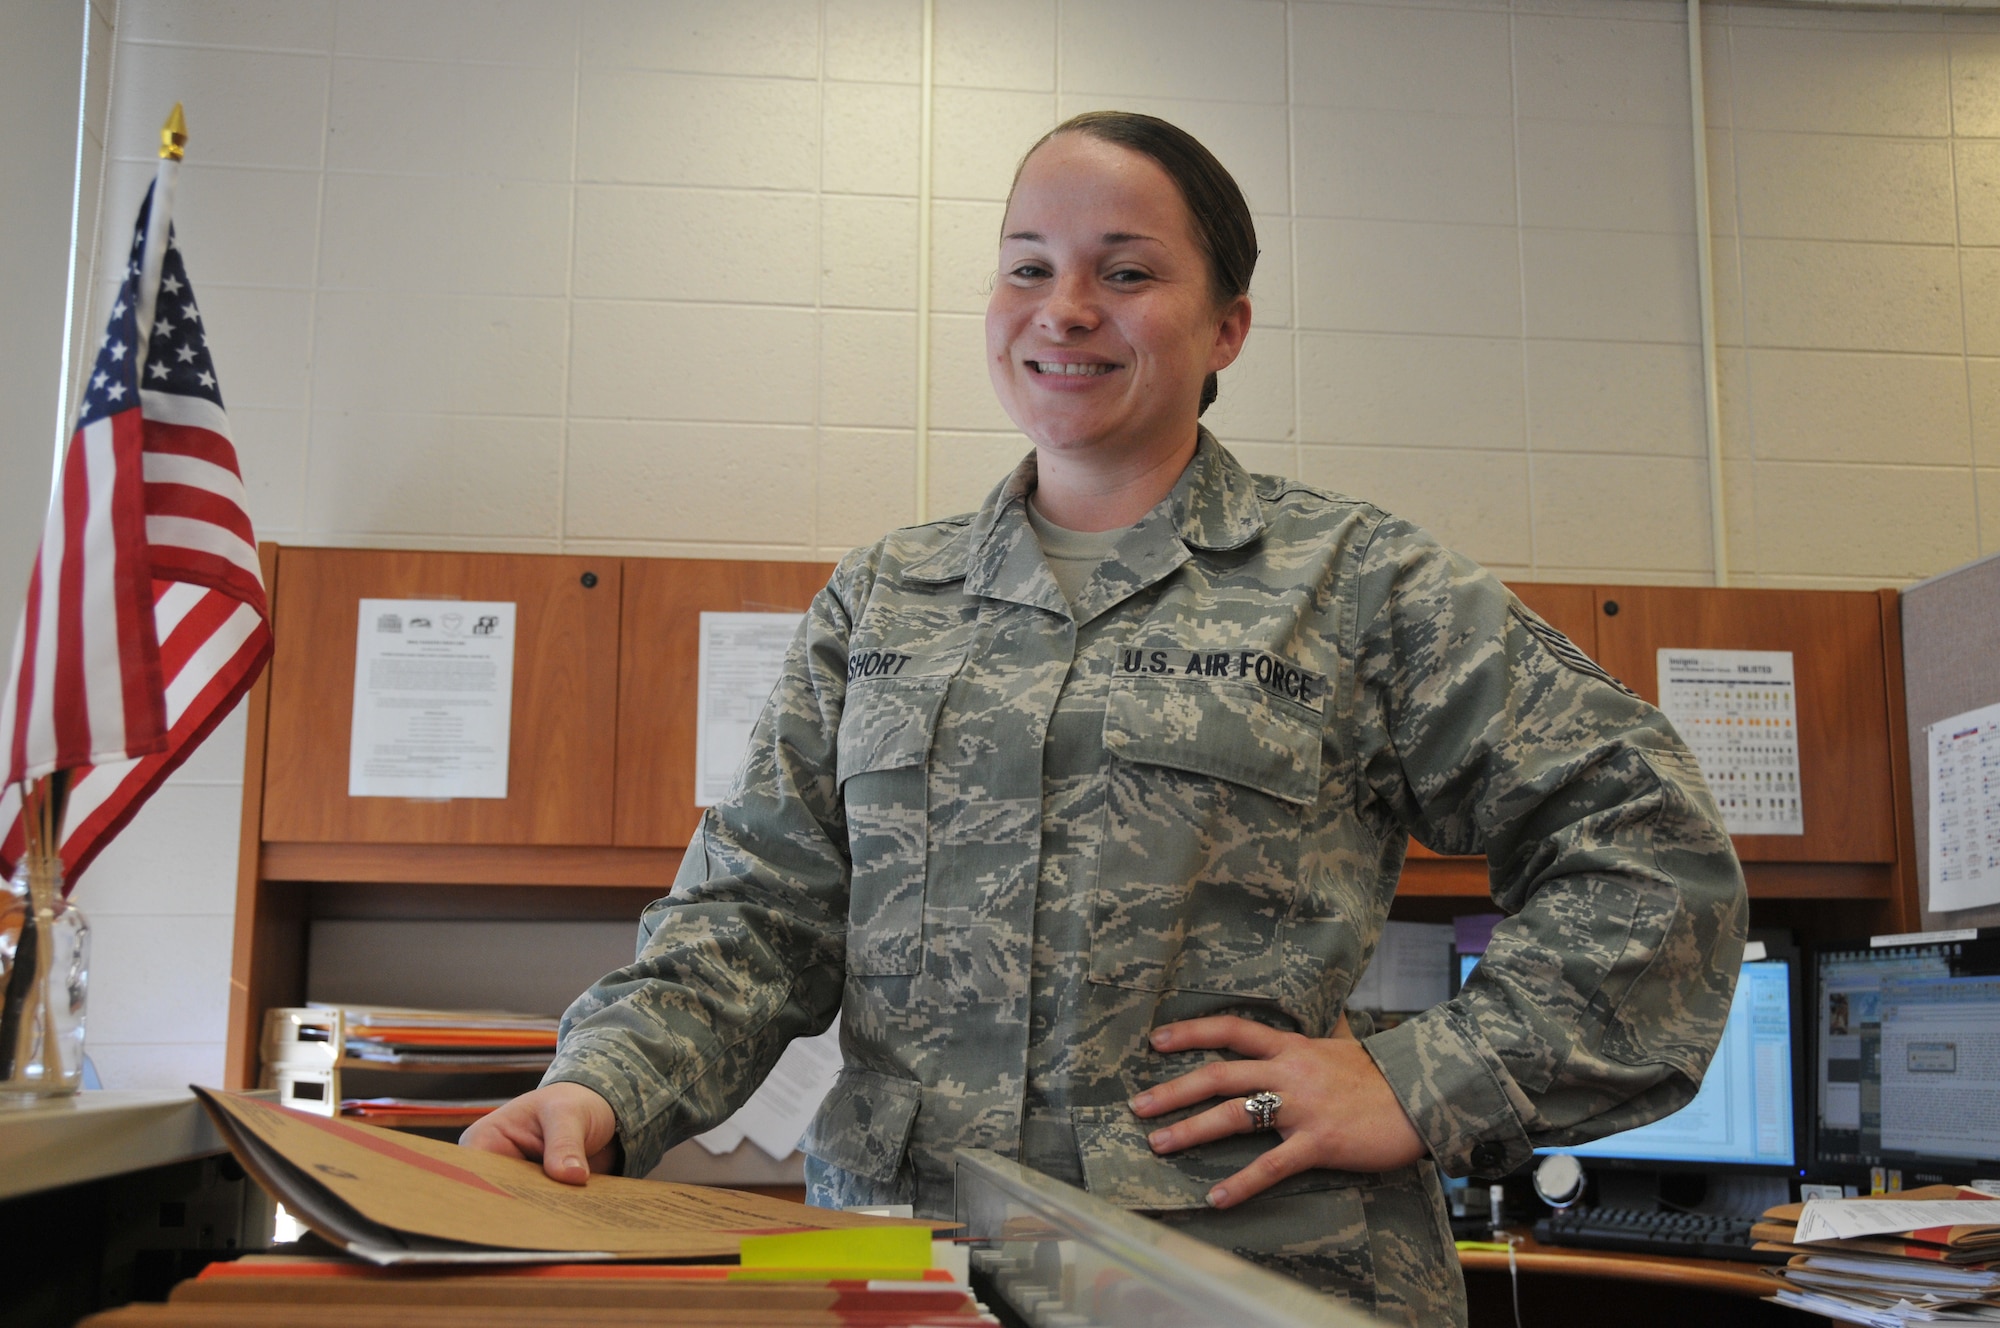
x=174 y=134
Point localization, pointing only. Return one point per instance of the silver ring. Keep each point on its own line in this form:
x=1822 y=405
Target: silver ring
x=1263 y=1109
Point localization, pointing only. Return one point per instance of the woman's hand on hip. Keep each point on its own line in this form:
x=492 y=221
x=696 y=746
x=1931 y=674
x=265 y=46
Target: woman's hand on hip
x=566 y=1127
x=1338 y=1111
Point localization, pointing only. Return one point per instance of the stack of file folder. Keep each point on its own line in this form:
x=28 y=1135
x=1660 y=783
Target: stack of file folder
x=434 y=1234
x=1901 y=1267
x=311 y=1051
x=265 y=1290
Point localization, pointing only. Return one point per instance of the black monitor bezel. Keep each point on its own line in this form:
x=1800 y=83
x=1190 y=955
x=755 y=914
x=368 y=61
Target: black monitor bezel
x=1915 y=1168
x=1778 y=945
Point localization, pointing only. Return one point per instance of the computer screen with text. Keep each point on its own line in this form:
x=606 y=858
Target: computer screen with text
x=1940 y=1063
x=1906 y=1058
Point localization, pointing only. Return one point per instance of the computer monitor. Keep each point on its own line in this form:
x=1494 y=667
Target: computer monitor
x=1906 y=1058
x=1743 y=1118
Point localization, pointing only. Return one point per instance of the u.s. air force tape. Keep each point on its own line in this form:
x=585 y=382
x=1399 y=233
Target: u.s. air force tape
x=1566 y=650
x=1267 y=670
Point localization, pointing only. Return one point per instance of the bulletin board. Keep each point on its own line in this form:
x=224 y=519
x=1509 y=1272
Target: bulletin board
x=1951 y=665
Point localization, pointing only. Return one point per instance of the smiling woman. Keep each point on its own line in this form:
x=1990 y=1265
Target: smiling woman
x=1105 y=327
x=1089 y=874
x=1195 y=234
x=1123 y=289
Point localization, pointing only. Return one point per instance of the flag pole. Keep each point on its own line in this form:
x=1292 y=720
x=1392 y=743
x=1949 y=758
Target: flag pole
x=174 y=135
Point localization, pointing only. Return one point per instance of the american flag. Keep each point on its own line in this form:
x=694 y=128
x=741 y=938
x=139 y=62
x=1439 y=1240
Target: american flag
x=146 y=619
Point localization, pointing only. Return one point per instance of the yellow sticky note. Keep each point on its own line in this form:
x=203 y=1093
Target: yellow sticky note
x=855 y=1248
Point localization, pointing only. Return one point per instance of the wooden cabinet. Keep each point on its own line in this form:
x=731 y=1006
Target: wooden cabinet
x=1850 y=873
x=1836 y=642
x=601 y=766
x=565 y=707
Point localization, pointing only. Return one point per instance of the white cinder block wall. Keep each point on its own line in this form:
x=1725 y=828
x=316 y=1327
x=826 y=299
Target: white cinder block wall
x=640 y=275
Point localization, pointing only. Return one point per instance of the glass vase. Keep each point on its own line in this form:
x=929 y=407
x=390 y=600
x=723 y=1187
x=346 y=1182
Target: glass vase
x=44 y=976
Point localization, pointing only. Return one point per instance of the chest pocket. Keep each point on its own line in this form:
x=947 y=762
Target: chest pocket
x=885 y=740
x=1205 y=807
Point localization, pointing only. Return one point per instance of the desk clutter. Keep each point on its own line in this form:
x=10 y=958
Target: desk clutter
x=312 y=1053
x=1932 y=1256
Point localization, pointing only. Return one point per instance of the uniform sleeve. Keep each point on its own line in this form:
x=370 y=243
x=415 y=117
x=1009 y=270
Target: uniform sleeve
x=1602 y=996
x=748 y=951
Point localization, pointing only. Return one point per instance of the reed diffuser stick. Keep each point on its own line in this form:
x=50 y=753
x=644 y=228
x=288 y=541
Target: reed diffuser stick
x=16 y=1026
x=46 y=887
x=27 y=983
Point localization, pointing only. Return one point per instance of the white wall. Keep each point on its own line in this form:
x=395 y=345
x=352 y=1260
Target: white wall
x=1858 y=278
x=41 y=64
x=639 y=275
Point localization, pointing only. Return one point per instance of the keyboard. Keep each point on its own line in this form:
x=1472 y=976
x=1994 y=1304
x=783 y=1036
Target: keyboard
x=1639 y=1231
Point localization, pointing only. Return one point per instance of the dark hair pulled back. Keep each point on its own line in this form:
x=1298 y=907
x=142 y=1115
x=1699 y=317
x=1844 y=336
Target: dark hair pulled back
x=1222 y=221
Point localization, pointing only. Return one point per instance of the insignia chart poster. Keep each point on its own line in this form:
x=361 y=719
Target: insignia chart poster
x=1738 y=711
x=433 y=699
x=1965 y=810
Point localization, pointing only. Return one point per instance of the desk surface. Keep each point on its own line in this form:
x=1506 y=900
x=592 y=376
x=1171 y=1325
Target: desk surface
x=1722 y=1275
x=91 y=1135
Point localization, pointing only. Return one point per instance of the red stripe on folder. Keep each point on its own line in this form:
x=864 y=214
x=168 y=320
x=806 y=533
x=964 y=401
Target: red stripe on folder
x=390 y=1149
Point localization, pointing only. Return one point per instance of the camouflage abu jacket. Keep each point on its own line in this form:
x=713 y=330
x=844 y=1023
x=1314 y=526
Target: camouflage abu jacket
x=1005 y=839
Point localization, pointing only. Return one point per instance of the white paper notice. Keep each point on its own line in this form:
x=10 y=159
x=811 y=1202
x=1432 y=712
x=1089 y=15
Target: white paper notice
x=778 y=1112
x=1738 y=712
x=433 y=699
x=1965 y=810
x=1842 y=1219
x=742 y=655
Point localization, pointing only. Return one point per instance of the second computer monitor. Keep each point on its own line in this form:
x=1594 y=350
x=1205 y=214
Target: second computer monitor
x=1906 y=1059
x=1744 y=1117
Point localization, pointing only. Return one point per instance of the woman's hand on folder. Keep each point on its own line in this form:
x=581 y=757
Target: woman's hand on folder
x=569 y=1129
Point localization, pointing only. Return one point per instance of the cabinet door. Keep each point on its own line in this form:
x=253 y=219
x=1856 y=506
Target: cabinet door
x=564 y=714
x=1835 y=637
x=660 y=650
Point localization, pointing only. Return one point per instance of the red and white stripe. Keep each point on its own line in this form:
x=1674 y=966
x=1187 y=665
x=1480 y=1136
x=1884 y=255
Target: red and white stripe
x=146 y=617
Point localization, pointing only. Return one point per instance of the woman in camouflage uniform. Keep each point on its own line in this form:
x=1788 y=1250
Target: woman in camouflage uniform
x=1085 y=812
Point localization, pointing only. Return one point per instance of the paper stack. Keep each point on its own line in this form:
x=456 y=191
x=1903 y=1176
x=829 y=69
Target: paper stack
x=310 y=1052
x=1930 y=1255
x=480 y=1040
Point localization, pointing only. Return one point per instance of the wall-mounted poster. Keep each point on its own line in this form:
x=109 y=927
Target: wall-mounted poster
x=433 y=699
x=742 y=655
x=1738 y=711
x=1965 y=810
